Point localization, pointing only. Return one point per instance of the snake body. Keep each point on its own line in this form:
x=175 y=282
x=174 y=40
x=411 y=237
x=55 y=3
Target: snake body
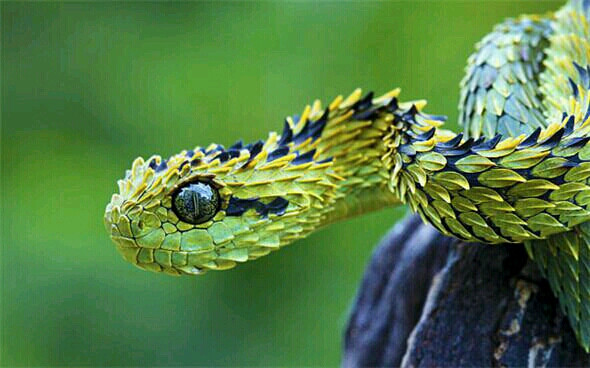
x=519 y=172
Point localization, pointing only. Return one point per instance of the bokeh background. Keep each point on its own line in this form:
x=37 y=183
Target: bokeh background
x=87 y=87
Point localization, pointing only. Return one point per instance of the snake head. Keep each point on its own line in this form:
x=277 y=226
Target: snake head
x=209 y=209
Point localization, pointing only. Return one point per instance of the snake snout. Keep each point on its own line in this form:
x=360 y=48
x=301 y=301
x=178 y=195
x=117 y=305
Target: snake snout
x=118 y=225
x=144 y=238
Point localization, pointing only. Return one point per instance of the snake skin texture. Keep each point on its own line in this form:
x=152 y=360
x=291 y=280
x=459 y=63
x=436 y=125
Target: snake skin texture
x=519 y=172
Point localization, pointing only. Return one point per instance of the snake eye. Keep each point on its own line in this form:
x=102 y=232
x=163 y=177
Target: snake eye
x=195 y=203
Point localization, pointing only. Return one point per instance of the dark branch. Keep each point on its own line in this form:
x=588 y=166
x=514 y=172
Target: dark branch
x=428 y=300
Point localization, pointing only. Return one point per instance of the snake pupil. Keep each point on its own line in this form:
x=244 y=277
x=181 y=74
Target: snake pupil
x=196 y=203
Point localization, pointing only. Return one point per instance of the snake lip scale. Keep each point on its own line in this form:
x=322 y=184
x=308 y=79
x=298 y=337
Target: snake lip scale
x=518 y=173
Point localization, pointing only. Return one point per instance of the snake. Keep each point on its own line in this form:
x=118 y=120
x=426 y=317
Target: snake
x=519 y=172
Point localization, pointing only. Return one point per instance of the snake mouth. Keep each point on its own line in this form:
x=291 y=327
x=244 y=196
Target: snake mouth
x=153 y=250
x=152 y=234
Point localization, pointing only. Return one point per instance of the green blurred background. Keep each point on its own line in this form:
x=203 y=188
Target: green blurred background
x=87 y=87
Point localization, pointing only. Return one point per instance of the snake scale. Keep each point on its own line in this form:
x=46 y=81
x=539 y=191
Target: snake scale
x=519 y=172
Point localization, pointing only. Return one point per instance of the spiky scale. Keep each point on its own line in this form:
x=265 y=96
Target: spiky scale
x=443 y=208
x=451 y=180
x=531 y=188
x=457 y=228
x=474 y=164
x=493 y=208
x=551 y=168
x=473 y=219
x=579 y=173
x=523 y=159
x=463 y=204
x=432 y=161
x=545 y=224
x=529 y=207
x=438 y=192
x=500 y=178
x=482 y=195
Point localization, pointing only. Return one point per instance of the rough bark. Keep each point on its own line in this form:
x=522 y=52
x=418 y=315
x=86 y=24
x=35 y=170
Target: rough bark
x=428 y=300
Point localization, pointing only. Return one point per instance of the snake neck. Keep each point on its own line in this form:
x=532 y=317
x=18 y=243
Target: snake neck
x=363 y=139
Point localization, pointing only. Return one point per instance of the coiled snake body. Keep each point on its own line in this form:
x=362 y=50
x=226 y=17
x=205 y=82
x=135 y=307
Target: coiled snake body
x=520 y=171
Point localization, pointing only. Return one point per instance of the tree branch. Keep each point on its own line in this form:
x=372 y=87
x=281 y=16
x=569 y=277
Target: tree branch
x=429 y=300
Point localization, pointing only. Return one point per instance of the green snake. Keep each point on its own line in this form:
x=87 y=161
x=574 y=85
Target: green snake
x=519 y=172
